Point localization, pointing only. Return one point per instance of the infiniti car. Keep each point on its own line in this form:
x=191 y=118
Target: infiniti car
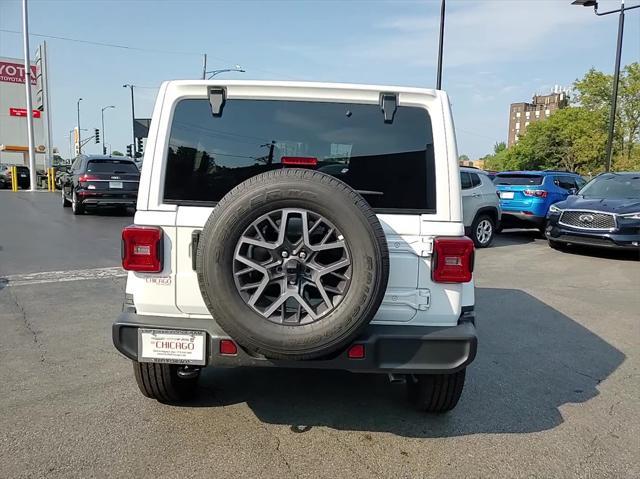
x=605 y=213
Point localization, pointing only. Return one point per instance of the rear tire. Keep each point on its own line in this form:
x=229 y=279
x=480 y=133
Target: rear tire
x=76 y=205
x=435 y=393
x=65 y=202
x=161 y=382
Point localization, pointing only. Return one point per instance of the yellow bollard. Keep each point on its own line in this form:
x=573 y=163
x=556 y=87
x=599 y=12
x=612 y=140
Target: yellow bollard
x=14 y=178
x=49 y=179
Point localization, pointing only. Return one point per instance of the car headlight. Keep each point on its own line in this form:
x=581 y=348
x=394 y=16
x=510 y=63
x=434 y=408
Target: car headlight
x=554 y=209
x=631 y=216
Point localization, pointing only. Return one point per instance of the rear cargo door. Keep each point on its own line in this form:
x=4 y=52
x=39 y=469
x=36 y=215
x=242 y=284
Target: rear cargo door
x=389 y=161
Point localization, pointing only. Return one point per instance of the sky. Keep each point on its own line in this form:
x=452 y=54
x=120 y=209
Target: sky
x=496 y=51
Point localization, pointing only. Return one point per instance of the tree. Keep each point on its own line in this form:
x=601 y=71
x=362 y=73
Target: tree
x=593 y=92
x=117 y=153
x=463 y=158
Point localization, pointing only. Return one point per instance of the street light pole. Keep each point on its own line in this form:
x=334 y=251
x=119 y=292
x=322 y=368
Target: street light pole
x=440 y=47
x=616 y=73
x=133 y=120
x=614 y=99
x=79 y=134
x=104 y=146
x=213 y=73
x=27 y=83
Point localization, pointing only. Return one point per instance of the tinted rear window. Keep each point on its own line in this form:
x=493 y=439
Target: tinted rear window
x=111 y=166
x=390 y=164
x=515 y=179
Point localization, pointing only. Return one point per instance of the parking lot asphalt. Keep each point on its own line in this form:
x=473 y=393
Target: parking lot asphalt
x=553 y=392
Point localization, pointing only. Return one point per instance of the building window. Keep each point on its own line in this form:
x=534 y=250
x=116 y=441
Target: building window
x=537 y=113
x=527 y=115
x=547 y=112
x=517 y=126
x=526 y=124
x=518 y=115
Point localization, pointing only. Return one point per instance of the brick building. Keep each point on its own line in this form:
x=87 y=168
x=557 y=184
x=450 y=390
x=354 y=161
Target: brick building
x=540 y=108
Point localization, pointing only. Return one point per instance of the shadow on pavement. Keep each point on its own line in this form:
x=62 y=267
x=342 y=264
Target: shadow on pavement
x=532 y=360
x=515 y=237
x=606 y=253
x=104 y=211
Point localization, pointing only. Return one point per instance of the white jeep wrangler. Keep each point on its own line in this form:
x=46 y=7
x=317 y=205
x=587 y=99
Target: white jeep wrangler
x=299 y=225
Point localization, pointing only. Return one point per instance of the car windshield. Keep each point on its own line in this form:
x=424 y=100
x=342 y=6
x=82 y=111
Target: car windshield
x=111 y=166
x=613 y=186
x=518 y=179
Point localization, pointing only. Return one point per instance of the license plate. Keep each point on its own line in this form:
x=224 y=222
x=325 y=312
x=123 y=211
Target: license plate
x=506 y=195
x=23 y=175
x=171 y=346
x=115 y=184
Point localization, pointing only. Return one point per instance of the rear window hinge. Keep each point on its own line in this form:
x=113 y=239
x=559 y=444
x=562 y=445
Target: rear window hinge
x=195 y=239
x=388 y=105
x=217 y=97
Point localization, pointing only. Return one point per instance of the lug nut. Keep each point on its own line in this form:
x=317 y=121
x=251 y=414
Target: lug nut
x=285 y=254
x=302 y=255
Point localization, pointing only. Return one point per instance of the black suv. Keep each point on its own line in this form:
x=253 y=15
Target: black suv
x=93 y=181
x=23 y=176
x=605 y=212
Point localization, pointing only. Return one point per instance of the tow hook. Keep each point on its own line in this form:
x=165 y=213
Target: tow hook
x=188 y=372
x=397 y=378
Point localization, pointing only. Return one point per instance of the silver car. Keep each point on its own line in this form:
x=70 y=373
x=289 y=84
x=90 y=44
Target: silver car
x=480 y=206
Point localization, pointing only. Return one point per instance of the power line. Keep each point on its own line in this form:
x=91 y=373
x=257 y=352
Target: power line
x=127 y=47
x=102 y=44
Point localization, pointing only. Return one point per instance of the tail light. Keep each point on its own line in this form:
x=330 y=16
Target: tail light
x=142 y=249
x=535 y=193
x=299 y=160
x=452 y=260
x=85 y=178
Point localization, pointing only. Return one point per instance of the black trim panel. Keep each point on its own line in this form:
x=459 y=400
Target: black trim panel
x=388 y=348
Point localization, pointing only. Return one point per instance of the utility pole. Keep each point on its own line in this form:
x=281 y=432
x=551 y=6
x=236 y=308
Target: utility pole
x=440 y=47
x=204 y=66
x=27 y=83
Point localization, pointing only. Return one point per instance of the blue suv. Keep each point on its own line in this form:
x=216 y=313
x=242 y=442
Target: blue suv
x=525 y=196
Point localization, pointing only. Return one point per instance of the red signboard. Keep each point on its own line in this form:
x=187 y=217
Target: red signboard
x=23 y=112
x=14 y=73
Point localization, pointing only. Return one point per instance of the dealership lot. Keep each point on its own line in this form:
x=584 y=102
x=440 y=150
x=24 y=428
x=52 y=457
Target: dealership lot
x=553 y=391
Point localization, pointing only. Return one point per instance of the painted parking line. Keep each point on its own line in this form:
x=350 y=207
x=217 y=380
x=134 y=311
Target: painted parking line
x=62 y=276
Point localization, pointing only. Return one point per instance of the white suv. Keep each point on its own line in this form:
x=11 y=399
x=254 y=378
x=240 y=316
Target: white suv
x=299 y=225
x=481 y=210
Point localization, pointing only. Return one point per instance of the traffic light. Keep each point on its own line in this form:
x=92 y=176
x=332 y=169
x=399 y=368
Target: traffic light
x=97 y=135
x=139 y=145
x=129 y=152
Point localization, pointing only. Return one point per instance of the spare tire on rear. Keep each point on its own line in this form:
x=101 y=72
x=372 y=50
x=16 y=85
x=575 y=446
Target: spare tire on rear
x=293 y=264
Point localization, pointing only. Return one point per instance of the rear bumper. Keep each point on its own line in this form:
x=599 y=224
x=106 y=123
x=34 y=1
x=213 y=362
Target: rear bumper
x=90 y=198
x=388 y=349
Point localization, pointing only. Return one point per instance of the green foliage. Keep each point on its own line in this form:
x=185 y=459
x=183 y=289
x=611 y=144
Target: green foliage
x=574 y=138
x=463 y=158
x=117 y=153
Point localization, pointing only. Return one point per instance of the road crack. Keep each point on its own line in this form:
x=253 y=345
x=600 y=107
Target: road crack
x=29 y=326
